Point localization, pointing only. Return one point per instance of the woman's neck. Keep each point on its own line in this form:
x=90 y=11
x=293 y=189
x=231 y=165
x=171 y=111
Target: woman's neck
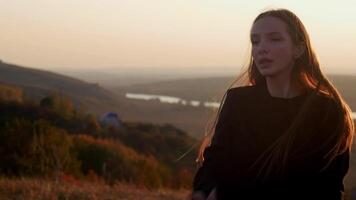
x=283 y=87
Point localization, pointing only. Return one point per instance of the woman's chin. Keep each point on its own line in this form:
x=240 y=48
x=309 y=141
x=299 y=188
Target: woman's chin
x=272 y=72
x=267 y=72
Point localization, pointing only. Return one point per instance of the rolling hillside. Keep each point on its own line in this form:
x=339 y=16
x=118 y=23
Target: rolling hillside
x=36 y=84
x=39 y=83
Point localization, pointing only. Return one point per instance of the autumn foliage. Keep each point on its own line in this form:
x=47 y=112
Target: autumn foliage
x=53 y=140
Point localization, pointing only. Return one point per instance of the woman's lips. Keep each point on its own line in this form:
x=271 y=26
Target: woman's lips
x=264 y=61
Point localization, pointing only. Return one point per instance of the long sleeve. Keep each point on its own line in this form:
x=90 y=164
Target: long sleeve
x=205 y=178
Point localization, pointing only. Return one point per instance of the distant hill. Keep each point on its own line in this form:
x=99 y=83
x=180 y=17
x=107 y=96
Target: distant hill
x=211 y=89
x=347 y=87
x=38 y=83
x=201 y=89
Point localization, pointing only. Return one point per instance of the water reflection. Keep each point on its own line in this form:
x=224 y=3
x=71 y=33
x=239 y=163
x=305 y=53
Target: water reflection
x=161 y=98
x=170 y=99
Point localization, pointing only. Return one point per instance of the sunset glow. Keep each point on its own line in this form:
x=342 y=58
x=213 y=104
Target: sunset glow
x=161 y=33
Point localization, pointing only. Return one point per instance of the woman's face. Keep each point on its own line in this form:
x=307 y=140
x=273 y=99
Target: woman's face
x=272 y=48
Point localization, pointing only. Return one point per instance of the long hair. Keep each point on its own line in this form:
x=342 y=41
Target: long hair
x=306 y=71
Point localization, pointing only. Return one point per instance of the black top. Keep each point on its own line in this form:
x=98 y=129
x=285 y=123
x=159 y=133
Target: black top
x=250 y=121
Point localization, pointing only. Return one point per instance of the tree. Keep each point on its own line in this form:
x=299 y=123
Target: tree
x=36 y=148
x=60 y=104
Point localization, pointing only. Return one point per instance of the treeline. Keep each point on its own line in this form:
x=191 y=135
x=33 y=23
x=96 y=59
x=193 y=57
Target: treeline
x=53 y=139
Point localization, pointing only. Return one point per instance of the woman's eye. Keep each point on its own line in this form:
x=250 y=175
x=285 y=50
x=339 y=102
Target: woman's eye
x=276 y=39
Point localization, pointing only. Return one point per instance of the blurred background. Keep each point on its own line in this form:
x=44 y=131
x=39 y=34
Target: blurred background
x=100 y=99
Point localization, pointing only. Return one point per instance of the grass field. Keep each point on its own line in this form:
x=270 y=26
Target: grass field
x=38 y=189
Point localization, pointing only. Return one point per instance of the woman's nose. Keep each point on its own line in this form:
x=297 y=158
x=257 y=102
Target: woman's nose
x=262 y=47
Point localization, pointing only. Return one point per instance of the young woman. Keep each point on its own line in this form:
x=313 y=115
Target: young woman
x=287 y=133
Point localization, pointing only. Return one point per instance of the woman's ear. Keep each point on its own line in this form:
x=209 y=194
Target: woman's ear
x=299 y=50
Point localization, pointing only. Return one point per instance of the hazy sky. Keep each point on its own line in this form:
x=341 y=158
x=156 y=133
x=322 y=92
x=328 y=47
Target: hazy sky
x=54 y=34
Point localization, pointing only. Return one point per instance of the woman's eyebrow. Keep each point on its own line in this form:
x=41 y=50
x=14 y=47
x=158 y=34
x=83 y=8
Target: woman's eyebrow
x=274 y=33
x=269 y=33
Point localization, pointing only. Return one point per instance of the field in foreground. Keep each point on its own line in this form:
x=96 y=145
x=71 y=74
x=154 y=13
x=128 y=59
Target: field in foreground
x=36 y=189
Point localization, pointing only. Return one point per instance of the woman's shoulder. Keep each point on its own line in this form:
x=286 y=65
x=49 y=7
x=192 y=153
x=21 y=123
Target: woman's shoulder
x=242 y=95
x=243 y=91
x=324 y=107
x=323 y=101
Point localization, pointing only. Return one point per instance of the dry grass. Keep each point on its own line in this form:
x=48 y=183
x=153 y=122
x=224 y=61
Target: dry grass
x=35 y=189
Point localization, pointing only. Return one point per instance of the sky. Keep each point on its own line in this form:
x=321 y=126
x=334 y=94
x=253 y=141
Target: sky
x=189 y=34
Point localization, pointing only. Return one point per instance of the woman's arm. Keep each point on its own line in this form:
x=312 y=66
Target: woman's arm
x=215 y=155
x=203 y=181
